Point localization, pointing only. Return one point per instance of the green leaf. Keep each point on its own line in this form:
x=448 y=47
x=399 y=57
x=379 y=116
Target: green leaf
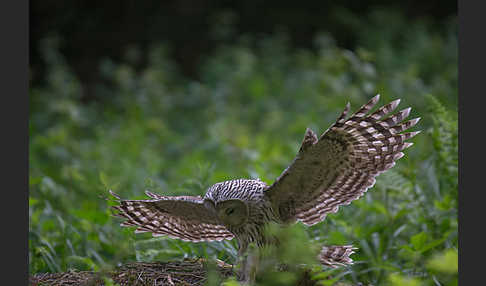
x=328 y=282
x=33 y=201
x=445 y=204
x=336 y=238
x=401 y=213
x=445 y=262
x=321 y=275
x=81 y=263
x=432 y=244
x=34 y=181
x=380 y=208
x=418 y=241
x=396 y=279
x=104 y=180
x=230 y=282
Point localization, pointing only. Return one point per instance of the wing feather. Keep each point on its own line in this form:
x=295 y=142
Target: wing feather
x=182 y=217
x=342 y=164
x=335 y=256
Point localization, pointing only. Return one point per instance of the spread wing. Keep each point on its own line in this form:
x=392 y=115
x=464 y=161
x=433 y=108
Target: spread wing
x=182 y=217
x=342 y=164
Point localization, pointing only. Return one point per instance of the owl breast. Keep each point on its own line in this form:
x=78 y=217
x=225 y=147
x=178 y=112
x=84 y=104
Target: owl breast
x=260 y=211
x=253 y=231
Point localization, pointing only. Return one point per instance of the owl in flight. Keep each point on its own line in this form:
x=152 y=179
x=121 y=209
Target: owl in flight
x=328 y=171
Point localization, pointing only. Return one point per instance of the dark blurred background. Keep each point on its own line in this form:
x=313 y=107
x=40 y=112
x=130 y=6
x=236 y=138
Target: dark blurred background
x=92 y=30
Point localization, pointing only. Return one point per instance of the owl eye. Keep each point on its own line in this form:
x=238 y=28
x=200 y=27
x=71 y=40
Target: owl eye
x=229 y=211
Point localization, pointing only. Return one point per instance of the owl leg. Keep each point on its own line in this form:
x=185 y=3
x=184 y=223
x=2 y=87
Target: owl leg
x=249 y=265
x=335 y=256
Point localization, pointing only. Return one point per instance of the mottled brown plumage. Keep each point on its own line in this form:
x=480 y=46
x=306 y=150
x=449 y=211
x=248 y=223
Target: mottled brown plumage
x=335 y=256
x=329 y=171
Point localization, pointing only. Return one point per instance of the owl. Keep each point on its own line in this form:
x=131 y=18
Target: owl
x=328 y=171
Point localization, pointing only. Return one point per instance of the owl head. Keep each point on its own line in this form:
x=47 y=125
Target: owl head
x=230 y=200
x=232 y=212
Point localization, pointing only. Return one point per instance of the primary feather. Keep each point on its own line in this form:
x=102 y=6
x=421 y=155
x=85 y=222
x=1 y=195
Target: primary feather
x=182 y=217
x=342 y=164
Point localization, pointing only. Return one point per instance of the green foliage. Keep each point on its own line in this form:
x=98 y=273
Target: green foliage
x=399 y=280
x=444 y=262
x=151 y=128
x=294 y=246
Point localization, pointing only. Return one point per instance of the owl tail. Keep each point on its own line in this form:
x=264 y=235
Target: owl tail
x=335 y=256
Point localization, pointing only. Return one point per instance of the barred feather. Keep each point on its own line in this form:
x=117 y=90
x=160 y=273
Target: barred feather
x=335 y=256
x=182 y=217
x=342 y=164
